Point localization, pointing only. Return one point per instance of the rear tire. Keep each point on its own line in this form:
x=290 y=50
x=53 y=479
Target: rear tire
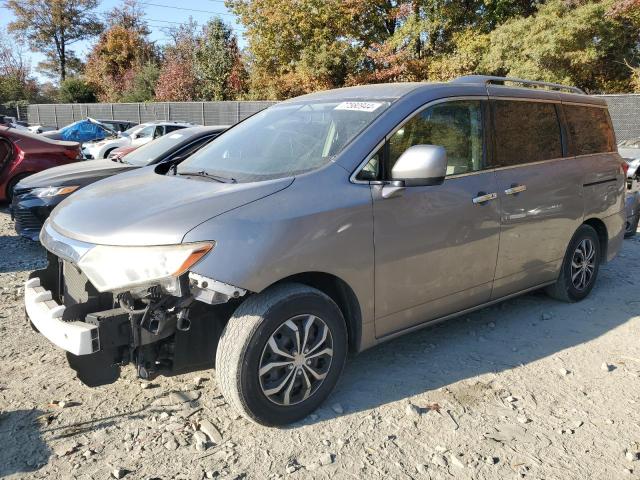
x=580 y=267
x=281 y=354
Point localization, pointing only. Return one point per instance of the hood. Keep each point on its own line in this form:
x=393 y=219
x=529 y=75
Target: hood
x=77 y=173
x=143 y=208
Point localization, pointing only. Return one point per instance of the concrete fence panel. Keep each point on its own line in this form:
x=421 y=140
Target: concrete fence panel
x=199 y=113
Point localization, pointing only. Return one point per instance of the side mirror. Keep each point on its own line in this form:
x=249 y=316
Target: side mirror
x=421 y=165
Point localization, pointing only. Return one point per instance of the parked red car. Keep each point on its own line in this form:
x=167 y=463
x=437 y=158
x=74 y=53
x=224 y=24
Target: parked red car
x=120 y=152
x=23 y=153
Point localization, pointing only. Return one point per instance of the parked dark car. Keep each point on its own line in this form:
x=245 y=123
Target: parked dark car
x=23 y=153
x=37 y=195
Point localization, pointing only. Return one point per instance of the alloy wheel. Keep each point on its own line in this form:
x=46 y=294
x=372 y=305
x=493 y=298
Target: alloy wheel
x=296 y=360
x=583 y=264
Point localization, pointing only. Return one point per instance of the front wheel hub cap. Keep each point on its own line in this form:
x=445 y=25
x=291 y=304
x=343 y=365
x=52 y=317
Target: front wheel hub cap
x=296 y=360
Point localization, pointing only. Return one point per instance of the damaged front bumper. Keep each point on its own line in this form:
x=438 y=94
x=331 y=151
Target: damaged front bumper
x=155 y=331
x=78 y=338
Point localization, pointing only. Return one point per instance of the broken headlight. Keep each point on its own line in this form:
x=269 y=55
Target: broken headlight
x=115 y=268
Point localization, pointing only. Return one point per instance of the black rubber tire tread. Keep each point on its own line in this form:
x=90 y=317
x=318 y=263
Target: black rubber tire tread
x=562 y=290
x=237 y=336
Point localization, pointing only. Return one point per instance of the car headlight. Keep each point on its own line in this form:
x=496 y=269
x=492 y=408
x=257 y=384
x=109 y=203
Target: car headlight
x=115 y=268
x=46 y=192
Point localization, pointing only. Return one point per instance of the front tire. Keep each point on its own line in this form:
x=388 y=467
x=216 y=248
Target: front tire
x=281 y=354
x=580 y=267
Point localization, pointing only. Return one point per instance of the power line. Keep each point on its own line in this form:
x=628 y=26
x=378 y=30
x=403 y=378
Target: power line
x=185 y=9
x=171 y=7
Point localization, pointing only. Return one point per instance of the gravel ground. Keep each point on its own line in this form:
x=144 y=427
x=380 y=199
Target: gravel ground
x=531 y=388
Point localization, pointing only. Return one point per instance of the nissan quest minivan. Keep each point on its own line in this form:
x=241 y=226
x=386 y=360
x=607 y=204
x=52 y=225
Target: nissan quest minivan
x=327 y=224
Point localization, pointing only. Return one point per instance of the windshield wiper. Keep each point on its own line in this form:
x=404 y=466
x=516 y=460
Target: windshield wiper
x=203 y=173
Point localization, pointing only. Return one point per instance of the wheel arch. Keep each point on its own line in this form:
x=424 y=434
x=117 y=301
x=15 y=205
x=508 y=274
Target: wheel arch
x=342 y=294
x=603 y=235
x=14 y=180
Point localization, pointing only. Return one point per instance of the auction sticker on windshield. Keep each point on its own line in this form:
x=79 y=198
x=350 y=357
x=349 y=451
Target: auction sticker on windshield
x=359 y=106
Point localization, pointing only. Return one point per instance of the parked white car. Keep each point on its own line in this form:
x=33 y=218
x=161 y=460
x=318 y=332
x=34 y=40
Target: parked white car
x=135 y=136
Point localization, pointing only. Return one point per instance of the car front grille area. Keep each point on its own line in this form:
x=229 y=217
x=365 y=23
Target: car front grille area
x=78 y=295
x=25 y=220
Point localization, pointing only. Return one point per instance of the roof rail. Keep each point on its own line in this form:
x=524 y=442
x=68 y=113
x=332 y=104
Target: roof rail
x=487 y=80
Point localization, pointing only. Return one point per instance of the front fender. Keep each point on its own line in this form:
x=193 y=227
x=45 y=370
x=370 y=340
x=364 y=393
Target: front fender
x=321 y=223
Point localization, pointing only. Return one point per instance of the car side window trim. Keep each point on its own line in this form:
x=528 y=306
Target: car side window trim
x=385 y=140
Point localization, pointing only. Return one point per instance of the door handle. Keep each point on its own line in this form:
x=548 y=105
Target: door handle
x=484 y=197
x=515 y=189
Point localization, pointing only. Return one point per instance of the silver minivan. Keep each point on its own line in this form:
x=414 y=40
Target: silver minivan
x=327 y=224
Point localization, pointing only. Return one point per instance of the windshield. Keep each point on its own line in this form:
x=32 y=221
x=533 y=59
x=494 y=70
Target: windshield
x=154 y=149
x=284 y=140
x=631 y=143
x=132 y=130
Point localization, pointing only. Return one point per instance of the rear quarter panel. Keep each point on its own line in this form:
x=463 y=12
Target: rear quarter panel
x=32 y=156
x=604 y=195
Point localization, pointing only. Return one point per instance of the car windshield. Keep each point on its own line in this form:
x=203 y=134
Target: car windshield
x=132 y=130
x=631 y=143
x=284 y=140
x=153 y=150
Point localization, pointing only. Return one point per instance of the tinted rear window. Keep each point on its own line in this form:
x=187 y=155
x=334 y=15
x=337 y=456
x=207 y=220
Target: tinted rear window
x=590 y=129
x=526 y=132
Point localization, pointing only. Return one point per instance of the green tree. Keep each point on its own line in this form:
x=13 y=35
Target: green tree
x=143 y=85
x=579 y=45
x=297 y=47
x=215 y=56
x=52 y=26
x=16 y=84
x=76 y=90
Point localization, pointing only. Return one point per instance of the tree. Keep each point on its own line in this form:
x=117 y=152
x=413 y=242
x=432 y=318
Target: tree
x=625 y=6
x=143 y=85
x=121 y=52
x=216 y=55
x=177 y=80
x=76 y=90
x=574 y=44
x=298 y=47
x=16 y=83
x=52 y=26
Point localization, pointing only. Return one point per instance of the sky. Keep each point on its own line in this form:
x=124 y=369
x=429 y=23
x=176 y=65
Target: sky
x=159 y=15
